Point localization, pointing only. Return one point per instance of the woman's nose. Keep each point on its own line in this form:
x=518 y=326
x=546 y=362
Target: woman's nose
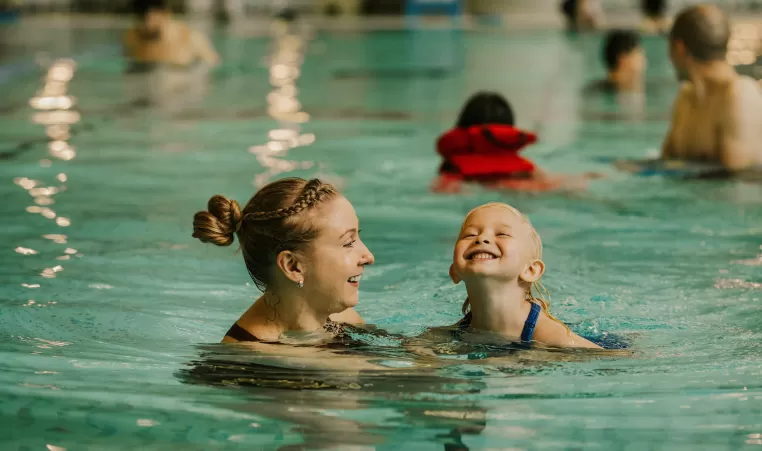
x=367 y=256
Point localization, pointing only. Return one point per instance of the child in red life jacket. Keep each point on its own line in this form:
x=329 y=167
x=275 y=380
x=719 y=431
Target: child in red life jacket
x=484 y=147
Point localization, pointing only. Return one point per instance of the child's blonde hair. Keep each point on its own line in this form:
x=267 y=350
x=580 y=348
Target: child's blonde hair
x=542 y=297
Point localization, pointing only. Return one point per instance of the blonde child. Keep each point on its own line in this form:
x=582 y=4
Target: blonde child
x=498 y=256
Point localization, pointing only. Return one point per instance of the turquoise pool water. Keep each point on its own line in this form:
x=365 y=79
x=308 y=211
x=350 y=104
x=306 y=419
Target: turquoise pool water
x=107 y=301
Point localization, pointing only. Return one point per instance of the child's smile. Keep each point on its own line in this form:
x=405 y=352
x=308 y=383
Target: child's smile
x=481 y=255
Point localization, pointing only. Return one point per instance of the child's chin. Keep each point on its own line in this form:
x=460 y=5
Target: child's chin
x=483 y=272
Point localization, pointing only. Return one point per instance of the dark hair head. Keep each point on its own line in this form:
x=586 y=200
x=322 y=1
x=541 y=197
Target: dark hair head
x=653 y=8
x=142 y=7
x=705 y=31
x=486 y=108
x=273 y=221
x=569 y=9
x=619 y=43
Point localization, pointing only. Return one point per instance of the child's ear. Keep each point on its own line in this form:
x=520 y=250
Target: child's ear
x=533 y=271
x=454 y=276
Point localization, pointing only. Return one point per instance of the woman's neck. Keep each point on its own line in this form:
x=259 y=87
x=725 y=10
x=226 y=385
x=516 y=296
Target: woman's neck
x=286 y=312
x=497 y=306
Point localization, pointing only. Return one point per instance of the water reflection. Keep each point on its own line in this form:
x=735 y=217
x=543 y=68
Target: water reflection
x=285 y=61
x=25 y=251
x=328 y=406
x=53 y=107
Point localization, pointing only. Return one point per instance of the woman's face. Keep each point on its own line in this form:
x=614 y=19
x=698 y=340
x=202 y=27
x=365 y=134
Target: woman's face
x=335 y=260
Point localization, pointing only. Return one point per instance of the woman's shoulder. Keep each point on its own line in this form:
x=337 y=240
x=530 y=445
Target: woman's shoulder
x=253 y=325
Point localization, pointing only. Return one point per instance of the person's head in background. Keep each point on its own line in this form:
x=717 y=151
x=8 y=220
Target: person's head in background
x=582 y=15
x=654 y=16
x=654 y=9
x=485 y=108
x=152 y=14
x=625 y=59
x=569 y=10
x=698 y=39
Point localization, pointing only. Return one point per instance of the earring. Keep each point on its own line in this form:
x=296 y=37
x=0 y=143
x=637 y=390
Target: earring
x=300 y=284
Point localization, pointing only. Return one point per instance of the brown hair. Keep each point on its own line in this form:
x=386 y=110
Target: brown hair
x=705 y=31
x=269 y=224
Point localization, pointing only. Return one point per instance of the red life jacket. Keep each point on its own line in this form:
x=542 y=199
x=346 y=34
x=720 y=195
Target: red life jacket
x=486 y=151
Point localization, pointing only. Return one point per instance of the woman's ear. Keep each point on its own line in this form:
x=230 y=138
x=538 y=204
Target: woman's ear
x=454 y=276
x=291 y=266
x=533 y=271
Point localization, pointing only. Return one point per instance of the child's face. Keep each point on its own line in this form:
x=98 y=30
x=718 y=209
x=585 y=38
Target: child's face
x=634 y=61
x=494 y=242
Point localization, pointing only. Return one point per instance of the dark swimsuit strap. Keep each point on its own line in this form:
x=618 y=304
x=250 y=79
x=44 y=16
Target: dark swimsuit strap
x=240 y=334
x=526 y=334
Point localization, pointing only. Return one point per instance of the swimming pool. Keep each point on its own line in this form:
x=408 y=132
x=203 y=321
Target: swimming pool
x=107 y=300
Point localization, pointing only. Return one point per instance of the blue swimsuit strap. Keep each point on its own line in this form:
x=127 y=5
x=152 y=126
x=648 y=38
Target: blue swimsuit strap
x=530 y=323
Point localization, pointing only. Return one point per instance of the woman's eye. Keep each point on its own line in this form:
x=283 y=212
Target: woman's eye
x=350 y=244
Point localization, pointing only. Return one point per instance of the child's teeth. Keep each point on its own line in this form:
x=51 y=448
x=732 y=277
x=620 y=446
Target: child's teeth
x=482 y=256
x=354 y=278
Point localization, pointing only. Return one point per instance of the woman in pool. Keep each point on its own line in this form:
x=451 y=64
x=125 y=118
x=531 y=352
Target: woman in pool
x=484 y=147
x=301 y=245
x=498 y=256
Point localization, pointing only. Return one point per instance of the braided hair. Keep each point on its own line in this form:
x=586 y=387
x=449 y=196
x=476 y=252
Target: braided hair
x=272 y=222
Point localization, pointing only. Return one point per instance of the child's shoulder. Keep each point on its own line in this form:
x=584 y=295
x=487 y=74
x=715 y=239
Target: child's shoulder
x=555 y=333
x=549 y=331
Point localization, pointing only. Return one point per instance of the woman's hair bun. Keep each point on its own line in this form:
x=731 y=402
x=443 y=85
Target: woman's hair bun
x=220 y=223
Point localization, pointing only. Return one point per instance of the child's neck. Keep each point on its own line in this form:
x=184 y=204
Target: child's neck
x=497 y=306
